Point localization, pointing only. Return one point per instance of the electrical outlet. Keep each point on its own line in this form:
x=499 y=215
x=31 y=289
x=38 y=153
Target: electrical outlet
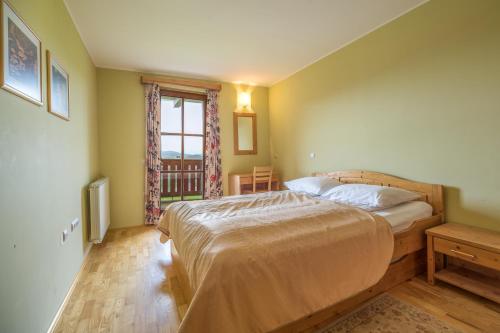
x=312 y=155
x=75 y=224
x=64 y=236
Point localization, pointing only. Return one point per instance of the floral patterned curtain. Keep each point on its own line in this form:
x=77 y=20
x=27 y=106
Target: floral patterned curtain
x=213 y=170
x=153 y=154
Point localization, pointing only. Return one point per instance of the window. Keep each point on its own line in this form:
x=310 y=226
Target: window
x=182 y=146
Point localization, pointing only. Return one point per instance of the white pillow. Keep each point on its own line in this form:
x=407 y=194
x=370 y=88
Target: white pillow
x=370 y=197
x=312 y=185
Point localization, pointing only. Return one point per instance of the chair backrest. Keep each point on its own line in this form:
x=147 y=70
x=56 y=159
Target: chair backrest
x=261 y=175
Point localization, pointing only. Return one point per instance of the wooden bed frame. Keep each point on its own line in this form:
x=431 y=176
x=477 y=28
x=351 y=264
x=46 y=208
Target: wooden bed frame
x=408 y=256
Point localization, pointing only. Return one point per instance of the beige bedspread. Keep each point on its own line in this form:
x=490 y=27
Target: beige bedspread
x=258 y=262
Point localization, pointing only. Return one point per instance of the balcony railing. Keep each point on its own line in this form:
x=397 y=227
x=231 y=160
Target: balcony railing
x=175 y=182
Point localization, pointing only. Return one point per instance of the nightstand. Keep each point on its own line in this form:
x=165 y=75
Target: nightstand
x=479 y=251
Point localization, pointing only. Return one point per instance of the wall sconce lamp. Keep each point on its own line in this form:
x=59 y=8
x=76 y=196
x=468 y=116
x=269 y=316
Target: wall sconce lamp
x=244 y=100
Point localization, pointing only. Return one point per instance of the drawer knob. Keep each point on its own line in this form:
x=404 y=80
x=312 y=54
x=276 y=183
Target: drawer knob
x=460 y=253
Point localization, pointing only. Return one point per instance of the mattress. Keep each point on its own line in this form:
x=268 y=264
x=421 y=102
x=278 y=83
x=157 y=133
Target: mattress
x=402 y=216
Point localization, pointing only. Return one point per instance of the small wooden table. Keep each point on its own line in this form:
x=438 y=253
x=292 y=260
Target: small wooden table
x=478 y=249
x=238 y=182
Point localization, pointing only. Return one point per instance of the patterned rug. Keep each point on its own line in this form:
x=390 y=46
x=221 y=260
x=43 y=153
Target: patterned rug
x=388 y=315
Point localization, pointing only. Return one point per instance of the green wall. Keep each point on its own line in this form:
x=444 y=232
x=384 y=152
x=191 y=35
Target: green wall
x=122 y=137
x=45 y=165
x=418 y=98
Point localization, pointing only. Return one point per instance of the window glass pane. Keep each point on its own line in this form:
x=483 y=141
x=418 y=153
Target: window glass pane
x=193 y=185
x=170 y=189
x=193 y=153
x=171 y=114
x=171 y=147
x=193 y=116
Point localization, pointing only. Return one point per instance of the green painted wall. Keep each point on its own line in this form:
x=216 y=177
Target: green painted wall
x=418 y=98
x=122 y=135
x=45 y=165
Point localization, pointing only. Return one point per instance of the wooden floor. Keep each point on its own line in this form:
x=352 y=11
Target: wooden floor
x=128 y=285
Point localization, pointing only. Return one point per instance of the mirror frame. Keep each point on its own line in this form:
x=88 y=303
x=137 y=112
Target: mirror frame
x=237 y=115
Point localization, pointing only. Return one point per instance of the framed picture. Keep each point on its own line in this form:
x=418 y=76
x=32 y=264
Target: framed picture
x=58 y=88
x=21 y=57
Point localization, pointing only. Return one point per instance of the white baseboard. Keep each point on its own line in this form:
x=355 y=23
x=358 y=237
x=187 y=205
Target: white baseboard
x=55 y=321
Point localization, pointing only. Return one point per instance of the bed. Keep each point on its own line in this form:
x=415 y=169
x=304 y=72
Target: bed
x=396 y=256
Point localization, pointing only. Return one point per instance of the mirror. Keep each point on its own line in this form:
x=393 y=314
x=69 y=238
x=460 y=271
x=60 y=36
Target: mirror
x=245 y=133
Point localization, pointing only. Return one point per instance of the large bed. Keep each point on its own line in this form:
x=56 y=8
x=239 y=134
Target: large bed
x=287 y=262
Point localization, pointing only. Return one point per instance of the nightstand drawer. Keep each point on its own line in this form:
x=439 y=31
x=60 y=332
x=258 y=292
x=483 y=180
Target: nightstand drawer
x=466 y=252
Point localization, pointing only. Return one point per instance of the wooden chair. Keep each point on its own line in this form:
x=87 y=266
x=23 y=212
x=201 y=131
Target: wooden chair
x=261 y=175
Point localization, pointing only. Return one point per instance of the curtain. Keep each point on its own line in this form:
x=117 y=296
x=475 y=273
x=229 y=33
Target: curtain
x=153 y=154
x=213 y=170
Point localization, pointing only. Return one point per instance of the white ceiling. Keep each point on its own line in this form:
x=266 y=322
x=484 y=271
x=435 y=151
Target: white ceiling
x=252 y=41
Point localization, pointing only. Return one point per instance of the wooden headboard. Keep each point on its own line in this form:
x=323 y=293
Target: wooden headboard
x=431 y=193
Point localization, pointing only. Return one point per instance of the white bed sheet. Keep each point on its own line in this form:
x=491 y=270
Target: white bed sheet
x=402 y=216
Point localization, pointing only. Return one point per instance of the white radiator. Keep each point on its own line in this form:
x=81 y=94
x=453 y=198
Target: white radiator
x=99 y=209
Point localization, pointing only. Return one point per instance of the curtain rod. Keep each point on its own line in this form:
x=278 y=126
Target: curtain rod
x=180 y=82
